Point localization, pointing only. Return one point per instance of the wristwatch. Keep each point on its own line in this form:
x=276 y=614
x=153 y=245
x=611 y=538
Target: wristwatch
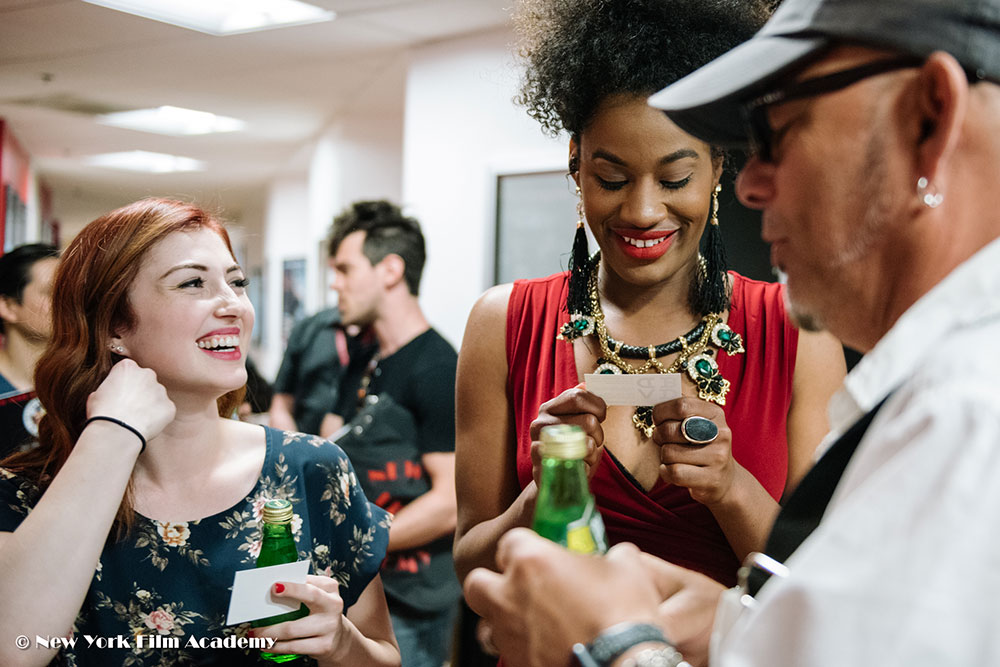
x=610 y=644
x=664 y=656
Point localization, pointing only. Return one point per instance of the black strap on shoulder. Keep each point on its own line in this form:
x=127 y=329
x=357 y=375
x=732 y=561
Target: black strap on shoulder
x=804 y=509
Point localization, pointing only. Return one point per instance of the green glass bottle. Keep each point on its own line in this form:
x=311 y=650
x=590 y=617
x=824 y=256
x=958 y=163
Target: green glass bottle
x=565 y=511
x=277 y=546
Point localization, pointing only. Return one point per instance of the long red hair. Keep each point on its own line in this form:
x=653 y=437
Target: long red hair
x=89 y=305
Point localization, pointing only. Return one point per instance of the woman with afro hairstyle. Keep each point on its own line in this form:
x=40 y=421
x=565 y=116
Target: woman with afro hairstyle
x=650 y=301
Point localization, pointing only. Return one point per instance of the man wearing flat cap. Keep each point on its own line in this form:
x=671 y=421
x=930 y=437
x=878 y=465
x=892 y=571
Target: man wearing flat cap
x=874 y=127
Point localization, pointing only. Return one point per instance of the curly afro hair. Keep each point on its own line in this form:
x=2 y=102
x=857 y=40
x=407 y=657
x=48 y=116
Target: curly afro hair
x=578 y=52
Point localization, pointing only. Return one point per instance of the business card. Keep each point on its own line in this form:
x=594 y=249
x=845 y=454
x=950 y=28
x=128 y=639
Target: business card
x=252 y=598
x=644 y=389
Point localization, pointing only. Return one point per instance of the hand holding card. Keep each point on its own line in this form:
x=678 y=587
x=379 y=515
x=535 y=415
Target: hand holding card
x=252 y=599
x=644 y=389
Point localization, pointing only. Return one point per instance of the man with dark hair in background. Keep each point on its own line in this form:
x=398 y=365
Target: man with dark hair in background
x=26 y=274
x=401 y=420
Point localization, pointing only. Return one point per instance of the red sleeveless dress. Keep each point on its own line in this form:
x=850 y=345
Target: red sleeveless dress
x=666 y=521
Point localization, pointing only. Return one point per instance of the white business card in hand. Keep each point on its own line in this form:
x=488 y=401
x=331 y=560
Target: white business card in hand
x=643 y=389
x=252 y=599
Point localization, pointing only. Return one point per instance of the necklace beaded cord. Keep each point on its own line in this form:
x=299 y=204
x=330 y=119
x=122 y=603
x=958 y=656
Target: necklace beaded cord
x=371 y=370
x=696 y=351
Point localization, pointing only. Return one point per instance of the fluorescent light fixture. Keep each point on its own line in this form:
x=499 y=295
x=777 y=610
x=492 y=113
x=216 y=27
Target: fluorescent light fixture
x=173 y=121
x=144 y=161
x=222 y=17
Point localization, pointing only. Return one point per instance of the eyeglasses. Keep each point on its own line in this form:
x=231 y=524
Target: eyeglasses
x=755 y=112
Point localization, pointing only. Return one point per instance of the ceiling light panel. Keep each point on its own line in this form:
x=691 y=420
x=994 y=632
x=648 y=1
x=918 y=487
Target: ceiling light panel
x=146 y=162
x=172 y=121
x=223 y=17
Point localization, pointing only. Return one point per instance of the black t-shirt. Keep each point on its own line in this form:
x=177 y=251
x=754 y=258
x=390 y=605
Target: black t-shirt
x=420 y=379
x=19 y=415
x=420 y=376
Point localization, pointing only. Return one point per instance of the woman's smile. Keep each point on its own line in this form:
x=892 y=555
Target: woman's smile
x=646 y=245
x=222 y=344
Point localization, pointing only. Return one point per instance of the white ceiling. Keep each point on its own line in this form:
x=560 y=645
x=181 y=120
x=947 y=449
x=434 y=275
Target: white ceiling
x=62 y=61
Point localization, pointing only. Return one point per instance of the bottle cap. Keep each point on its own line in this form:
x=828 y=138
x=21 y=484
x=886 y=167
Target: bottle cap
x=277 y=511
x=563 y=441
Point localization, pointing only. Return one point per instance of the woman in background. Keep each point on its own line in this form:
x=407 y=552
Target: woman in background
x=144 y=496
x=26 y=274
x=649 y=301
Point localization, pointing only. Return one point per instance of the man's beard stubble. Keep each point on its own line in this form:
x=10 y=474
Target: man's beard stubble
x=877 y=203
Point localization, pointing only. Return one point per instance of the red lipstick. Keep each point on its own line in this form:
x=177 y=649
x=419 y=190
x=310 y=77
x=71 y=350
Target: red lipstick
x=655 y=242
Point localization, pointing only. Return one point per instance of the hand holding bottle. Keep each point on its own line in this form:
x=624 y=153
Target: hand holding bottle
x=687 y=612
x=319 y=634
x=545 y=598
x=578 y=407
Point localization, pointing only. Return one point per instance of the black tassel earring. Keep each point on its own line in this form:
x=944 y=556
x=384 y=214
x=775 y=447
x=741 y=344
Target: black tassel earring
x=711 y=288
x=581 y=322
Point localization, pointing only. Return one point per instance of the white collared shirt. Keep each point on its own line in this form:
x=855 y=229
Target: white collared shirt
x=905 y=567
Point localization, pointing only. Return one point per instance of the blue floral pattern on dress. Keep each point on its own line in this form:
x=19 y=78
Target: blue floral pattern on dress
x=171 y=581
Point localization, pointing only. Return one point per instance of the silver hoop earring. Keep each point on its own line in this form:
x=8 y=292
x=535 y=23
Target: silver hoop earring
x=929 y=198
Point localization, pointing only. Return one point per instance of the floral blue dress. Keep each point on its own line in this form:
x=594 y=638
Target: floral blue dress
x=160 y=596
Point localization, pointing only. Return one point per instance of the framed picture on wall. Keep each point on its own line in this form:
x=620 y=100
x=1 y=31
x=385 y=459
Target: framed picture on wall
x=328 y=296
x=293 y=295
x=15 y=219
x=535 y=222
x=256 y=293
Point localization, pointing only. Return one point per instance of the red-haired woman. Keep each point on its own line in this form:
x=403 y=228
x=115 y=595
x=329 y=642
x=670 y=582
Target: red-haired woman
x=128 y=521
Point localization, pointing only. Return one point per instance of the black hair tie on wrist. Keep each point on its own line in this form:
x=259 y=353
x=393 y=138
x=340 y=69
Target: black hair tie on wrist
x=123 y=425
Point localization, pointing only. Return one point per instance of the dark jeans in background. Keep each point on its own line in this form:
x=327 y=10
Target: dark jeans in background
x=424 y=640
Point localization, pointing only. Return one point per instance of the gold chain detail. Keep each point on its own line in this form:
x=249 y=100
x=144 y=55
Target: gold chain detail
x=612 y=356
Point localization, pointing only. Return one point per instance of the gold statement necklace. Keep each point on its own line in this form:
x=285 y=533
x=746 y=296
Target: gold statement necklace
x=696 y=353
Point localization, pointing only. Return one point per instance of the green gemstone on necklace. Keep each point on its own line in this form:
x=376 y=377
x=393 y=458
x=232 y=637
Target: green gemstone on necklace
x=725 y=335
x=580 y=324
x=704 y=368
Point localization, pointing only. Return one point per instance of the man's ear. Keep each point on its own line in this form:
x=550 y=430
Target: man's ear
x=392 y=268
x=942 y=99
x=7 y=309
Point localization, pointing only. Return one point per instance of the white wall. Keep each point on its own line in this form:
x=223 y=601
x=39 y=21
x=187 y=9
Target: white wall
x=75 y=207
x=357 y=157
x=371 y=158
x=286 y=230
x=461 y=131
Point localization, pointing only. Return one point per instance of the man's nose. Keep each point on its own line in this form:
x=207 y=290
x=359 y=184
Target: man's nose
x=755 y=183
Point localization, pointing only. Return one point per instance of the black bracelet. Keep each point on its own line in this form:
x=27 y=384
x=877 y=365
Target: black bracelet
x=123 y=425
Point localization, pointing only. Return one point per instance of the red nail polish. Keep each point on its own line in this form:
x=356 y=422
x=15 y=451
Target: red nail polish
x=250 y=633
x=279 y=588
